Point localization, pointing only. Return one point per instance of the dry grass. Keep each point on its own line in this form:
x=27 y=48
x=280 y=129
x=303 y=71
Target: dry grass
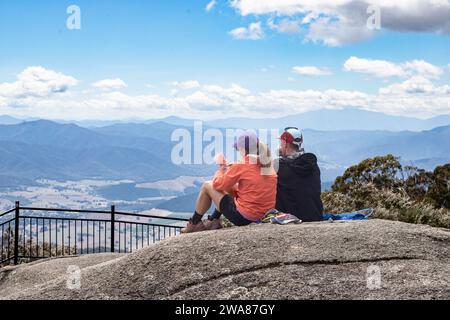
x=388 y=204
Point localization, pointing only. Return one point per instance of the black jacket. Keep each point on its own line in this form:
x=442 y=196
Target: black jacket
x=299 y=187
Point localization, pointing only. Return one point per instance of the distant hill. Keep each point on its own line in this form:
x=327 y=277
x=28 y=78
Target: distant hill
x=103 y=162
x=9 y=182
x=184 y=203
x=44 y=149
x=9 y=120
x=332 y=120
x=323 y=120
x=177 y=121
x=158 y=130
x=349 y=147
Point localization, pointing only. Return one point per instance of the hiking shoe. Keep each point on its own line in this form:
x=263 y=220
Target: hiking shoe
x=212 y=224
x=190 y=227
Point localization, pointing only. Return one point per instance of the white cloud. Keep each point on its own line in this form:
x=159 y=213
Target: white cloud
x=285 y=26
x=185 y=85
x=203 y=101
x=341 y=22
x=415 y=96
x=253 y=32
x=336 y=33
x=423 y=68
x=37 y=82
x=385 y=69
x=377 y=68
x=310 y=71
x=227 y=97
x=210 y=5
x=109 y=84
x=415 y=85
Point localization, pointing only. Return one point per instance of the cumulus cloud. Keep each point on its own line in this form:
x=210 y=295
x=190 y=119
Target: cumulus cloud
x=377 y=68
x=285 y=25
x=311 y=71
x=252 y=32
x=423 y=68
x=341 y=22
x=109 y=84
x=415 y=85
x=185 y=85
x=416 y=96
x=37 y=82
x=210 y=5
x=386 y=69
x=336 y=33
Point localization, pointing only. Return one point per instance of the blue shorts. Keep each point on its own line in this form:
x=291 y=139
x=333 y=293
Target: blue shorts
x=229 y=210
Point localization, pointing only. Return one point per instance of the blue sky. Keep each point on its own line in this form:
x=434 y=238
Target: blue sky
x=176 y=57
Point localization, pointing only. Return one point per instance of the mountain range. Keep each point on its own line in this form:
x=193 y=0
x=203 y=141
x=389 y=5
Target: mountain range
x=45 y=149
x=323 y=120
x=345 y=119
x=142 y=152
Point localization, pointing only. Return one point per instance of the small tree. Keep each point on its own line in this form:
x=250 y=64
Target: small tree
x=417 y=183
x=439 y=190
x=382 y=172
x=406 y=194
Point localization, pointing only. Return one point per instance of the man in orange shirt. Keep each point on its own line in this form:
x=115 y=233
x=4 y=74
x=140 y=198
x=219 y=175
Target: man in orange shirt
x=253 y=181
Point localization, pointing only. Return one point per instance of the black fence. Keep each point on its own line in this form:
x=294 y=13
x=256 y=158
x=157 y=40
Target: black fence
x=29 y=234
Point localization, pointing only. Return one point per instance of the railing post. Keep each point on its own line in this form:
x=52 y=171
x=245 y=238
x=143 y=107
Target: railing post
x=16 y=233
x=113 y=229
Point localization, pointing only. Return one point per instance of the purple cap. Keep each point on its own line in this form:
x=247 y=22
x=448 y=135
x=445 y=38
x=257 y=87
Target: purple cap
x=247 y=140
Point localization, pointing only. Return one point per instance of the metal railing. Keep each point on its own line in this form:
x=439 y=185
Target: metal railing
x=29 y=233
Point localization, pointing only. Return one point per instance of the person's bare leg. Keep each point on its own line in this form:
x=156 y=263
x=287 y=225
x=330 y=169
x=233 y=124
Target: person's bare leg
x=206 y=196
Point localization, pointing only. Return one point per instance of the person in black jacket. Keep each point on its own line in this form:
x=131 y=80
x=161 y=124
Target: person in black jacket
x=299 y=185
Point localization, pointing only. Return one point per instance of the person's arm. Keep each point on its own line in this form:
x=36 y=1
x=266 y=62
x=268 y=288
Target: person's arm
x=225 y=179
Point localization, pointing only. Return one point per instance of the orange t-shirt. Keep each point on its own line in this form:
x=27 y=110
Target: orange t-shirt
x=255 y=192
